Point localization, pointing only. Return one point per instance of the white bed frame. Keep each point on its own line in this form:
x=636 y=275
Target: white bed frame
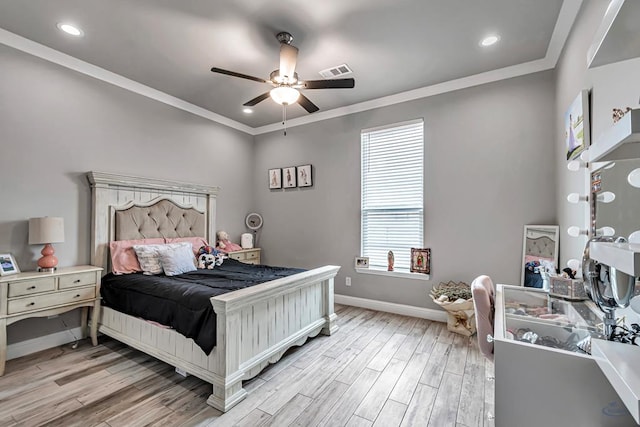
x=255 y=326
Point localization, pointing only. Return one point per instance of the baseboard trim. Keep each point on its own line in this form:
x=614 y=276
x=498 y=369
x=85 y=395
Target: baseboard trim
x=390 y=307
x=24 y=348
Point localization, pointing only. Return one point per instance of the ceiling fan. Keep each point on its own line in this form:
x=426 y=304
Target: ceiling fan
x=286 y=86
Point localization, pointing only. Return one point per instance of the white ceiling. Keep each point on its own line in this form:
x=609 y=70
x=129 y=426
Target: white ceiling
x=406 y=47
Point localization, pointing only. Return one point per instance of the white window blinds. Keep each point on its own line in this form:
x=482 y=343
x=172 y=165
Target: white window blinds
x=392 y=192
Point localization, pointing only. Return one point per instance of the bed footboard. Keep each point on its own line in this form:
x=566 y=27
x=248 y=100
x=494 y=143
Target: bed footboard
x=255 y=326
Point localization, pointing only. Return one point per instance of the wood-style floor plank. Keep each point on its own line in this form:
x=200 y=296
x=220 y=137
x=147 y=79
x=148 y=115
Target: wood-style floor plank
x=445 y=407
x=378 y=369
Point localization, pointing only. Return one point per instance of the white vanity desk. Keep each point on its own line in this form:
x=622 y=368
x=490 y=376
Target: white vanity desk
x=541 y=385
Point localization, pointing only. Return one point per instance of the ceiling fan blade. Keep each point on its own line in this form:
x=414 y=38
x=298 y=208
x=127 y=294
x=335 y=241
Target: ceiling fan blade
x=234 y=74
x=329 y=84
x=288 y=59
x=256 y=100
x=307 y=104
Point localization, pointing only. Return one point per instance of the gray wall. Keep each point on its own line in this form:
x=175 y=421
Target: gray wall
x=57 y=124
x=489 y=169
x=612 y=86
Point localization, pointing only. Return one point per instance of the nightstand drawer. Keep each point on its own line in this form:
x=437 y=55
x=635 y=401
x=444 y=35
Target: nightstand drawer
x=39 y=302
x=252 y=255
x=75 y=280
x=28 y=287
x=237 y=255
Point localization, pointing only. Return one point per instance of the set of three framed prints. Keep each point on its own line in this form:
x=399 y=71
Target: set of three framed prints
x=290 y=177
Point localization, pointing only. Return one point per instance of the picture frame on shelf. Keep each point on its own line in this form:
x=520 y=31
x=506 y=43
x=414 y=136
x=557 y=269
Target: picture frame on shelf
x=275 y=178
x=421 y=260
x=8 y=265
x=576 y=125
x=289 y=177
x=362 y=262
x=305 y=178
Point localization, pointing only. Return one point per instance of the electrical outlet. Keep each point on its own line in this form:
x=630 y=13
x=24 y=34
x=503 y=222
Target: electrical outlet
x=347 y=281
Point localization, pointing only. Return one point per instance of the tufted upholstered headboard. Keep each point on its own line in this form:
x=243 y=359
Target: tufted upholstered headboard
x=126 y=208
x=541 y=247
x=160 y=217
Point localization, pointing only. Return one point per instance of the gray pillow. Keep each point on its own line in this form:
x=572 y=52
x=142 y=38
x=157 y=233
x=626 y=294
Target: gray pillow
x=177 y=258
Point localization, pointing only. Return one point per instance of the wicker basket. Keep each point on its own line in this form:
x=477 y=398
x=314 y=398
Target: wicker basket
x=460 y=313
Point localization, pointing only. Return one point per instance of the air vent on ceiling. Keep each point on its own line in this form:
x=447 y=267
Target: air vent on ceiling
x=337 y=71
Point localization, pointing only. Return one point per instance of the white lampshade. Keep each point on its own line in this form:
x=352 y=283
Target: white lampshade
x=284 y=95
x=45 y=230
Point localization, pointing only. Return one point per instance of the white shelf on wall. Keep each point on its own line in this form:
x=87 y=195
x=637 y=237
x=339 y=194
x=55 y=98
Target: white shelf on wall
x=619 y=142
x=623 y=256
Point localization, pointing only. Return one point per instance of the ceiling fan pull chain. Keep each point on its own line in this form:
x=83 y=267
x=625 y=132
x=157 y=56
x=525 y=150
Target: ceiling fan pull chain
x=284 y=118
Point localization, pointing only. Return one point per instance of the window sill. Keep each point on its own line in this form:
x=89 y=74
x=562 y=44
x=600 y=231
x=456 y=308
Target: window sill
x=395 y=273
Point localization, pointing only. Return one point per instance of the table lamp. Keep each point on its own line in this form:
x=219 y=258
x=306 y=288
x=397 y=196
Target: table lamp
x=46 y=230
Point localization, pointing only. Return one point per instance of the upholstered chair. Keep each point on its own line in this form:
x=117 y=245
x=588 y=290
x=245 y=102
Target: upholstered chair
x=483 y=303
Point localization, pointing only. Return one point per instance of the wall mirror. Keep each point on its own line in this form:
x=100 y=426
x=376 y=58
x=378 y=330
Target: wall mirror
x=539 y=253
x=615 y=202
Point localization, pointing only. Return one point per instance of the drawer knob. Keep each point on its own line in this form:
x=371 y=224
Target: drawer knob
x=30 y=288
x=77 y=296
x=31 y=303
x=76 y=281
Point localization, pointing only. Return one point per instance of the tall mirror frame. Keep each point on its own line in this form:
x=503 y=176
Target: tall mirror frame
x=539 y=243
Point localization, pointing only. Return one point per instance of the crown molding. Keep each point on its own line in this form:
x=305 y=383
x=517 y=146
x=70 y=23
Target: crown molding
x=564 y=23
x=44 y=52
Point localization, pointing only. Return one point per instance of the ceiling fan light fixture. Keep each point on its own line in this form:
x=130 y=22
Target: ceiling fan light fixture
x=284 y=95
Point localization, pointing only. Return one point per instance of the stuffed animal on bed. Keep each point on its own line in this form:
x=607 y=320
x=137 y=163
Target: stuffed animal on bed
x=208 y=257
x=224 y=244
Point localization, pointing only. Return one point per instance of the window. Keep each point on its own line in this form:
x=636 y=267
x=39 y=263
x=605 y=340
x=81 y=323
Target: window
x=392 y=192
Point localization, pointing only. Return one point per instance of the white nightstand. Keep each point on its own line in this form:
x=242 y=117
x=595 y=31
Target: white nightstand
x=35 y=294
x=248 y=256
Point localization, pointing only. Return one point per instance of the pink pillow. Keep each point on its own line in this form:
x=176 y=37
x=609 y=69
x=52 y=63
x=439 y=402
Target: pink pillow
x=196 y=242
x=123 y=257
x=483 y=303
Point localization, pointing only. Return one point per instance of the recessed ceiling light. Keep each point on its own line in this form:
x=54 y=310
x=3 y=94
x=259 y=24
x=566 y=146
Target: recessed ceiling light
x=247 y=110
x=488 y=41
x=70 y=29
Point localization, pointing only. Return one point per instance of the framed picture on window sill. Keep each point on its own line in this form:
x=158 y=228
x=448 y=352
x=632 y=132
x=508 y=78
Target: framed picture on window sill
x=362 y=262
x=421 y=261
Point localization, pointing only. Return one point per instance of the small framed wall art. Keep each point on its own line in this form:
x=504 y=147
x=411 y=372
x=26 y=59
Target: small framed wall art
x=421 y=261
x=576 y=125
x=275 y=179
x=362 y=262
x=8 y=265
x=304 y=176
x=289 y=177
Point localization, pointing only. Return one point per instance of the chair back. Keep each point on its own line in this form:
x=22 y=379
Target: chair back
x=484 y=305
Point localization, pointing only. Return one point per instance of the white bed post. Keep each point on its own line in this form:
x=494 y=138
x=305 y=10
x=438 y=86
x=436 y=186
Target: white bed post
x=99 y=223
x=329 y=310
x=228 y=341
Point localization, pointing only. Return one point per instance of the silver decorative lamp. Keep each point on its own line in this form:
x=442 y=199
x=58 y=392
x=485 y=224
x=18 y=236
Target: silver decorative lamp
x=46 y=230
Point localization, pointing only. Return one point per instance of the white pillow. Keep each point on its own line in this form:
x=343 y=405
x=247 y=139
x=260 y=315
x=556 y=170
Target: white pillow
x=177 y=258
x=148 y=258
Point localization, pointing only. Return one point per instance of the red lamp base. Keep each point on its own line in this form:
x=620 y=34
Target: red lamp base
x=48 y=260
